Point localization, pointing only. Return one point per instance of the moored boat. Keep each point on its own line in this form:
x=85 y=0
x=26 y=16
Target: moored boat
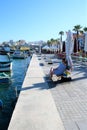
x=19 y=55
x=4 y=78
x=5 y=62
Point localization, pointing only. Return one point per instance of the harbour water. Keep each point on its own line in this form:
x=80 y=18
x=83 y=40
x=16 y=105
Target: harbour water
x=10 y=91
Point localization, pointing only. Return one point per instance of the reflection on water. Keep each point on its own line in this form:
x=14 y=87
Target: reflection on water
x=8 y=91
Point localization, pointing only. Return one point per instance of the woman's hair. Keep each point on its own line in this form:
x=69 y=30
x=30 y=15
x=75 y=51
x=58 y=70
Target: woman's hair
x=64 y=60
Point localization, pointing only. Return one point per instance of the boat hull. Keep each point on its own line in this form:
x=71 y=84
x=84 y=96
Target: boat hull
x=4 y=80
x=5 y=63
x=5 y=67
x=19 y=55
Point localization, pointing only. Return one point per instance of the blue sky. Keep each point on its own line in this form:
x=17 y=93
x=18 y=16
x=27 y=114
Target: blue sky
x=34 y=20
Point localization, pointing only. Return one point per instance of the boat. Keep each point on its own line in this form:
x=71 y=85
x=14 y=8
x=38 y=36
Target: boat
x=19 y=55
x=1 y=104
x=5 y=62
x=4 y=78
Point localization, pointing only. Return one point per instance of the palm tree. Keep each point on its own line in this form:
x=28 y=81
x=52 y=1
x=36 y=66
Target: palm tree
x=49 y=43
x=85 y=29
x=77 y=29
x=81 y=31
x=58 y=42
x=61 y=33
x=52 y=40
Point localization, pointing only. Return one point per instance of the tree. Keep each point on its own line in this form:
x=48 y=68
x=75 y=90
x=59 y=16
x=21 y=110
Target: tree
x=48 y=42
x=77 y=29
x=85 y=29
x=52 y=40
x=61 y=33
x=81 y=31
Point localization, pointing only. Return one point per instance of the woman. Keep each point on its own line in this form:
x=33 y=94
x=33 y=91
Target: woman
x=60 y=69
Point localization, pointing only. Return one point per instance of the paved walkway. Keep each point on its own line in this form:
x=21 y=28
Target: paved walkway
x=70 y=97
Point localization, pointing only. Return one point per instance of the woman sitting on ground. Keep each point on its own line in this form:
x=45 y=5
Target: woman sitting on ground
x=60 y=69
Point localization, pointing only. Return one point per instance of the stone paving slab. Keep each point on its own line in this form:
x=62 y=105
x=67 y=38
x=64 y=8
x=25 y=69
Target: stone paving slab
x=82 y=124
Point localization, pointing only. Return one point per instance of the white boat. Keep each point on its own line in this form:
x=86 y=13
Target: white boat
x=19 y=55
x=5 y=62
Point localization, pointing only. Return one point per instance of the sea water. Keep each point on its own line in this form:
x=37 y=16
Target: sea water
x=10 y=91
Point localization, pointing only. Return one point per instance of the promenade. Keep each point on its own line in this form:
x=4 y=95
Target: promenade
x=47 y=105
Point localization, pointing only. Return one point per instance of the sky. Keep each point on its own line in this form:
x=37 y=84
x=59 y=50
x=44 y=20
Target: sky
x=34 y=20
